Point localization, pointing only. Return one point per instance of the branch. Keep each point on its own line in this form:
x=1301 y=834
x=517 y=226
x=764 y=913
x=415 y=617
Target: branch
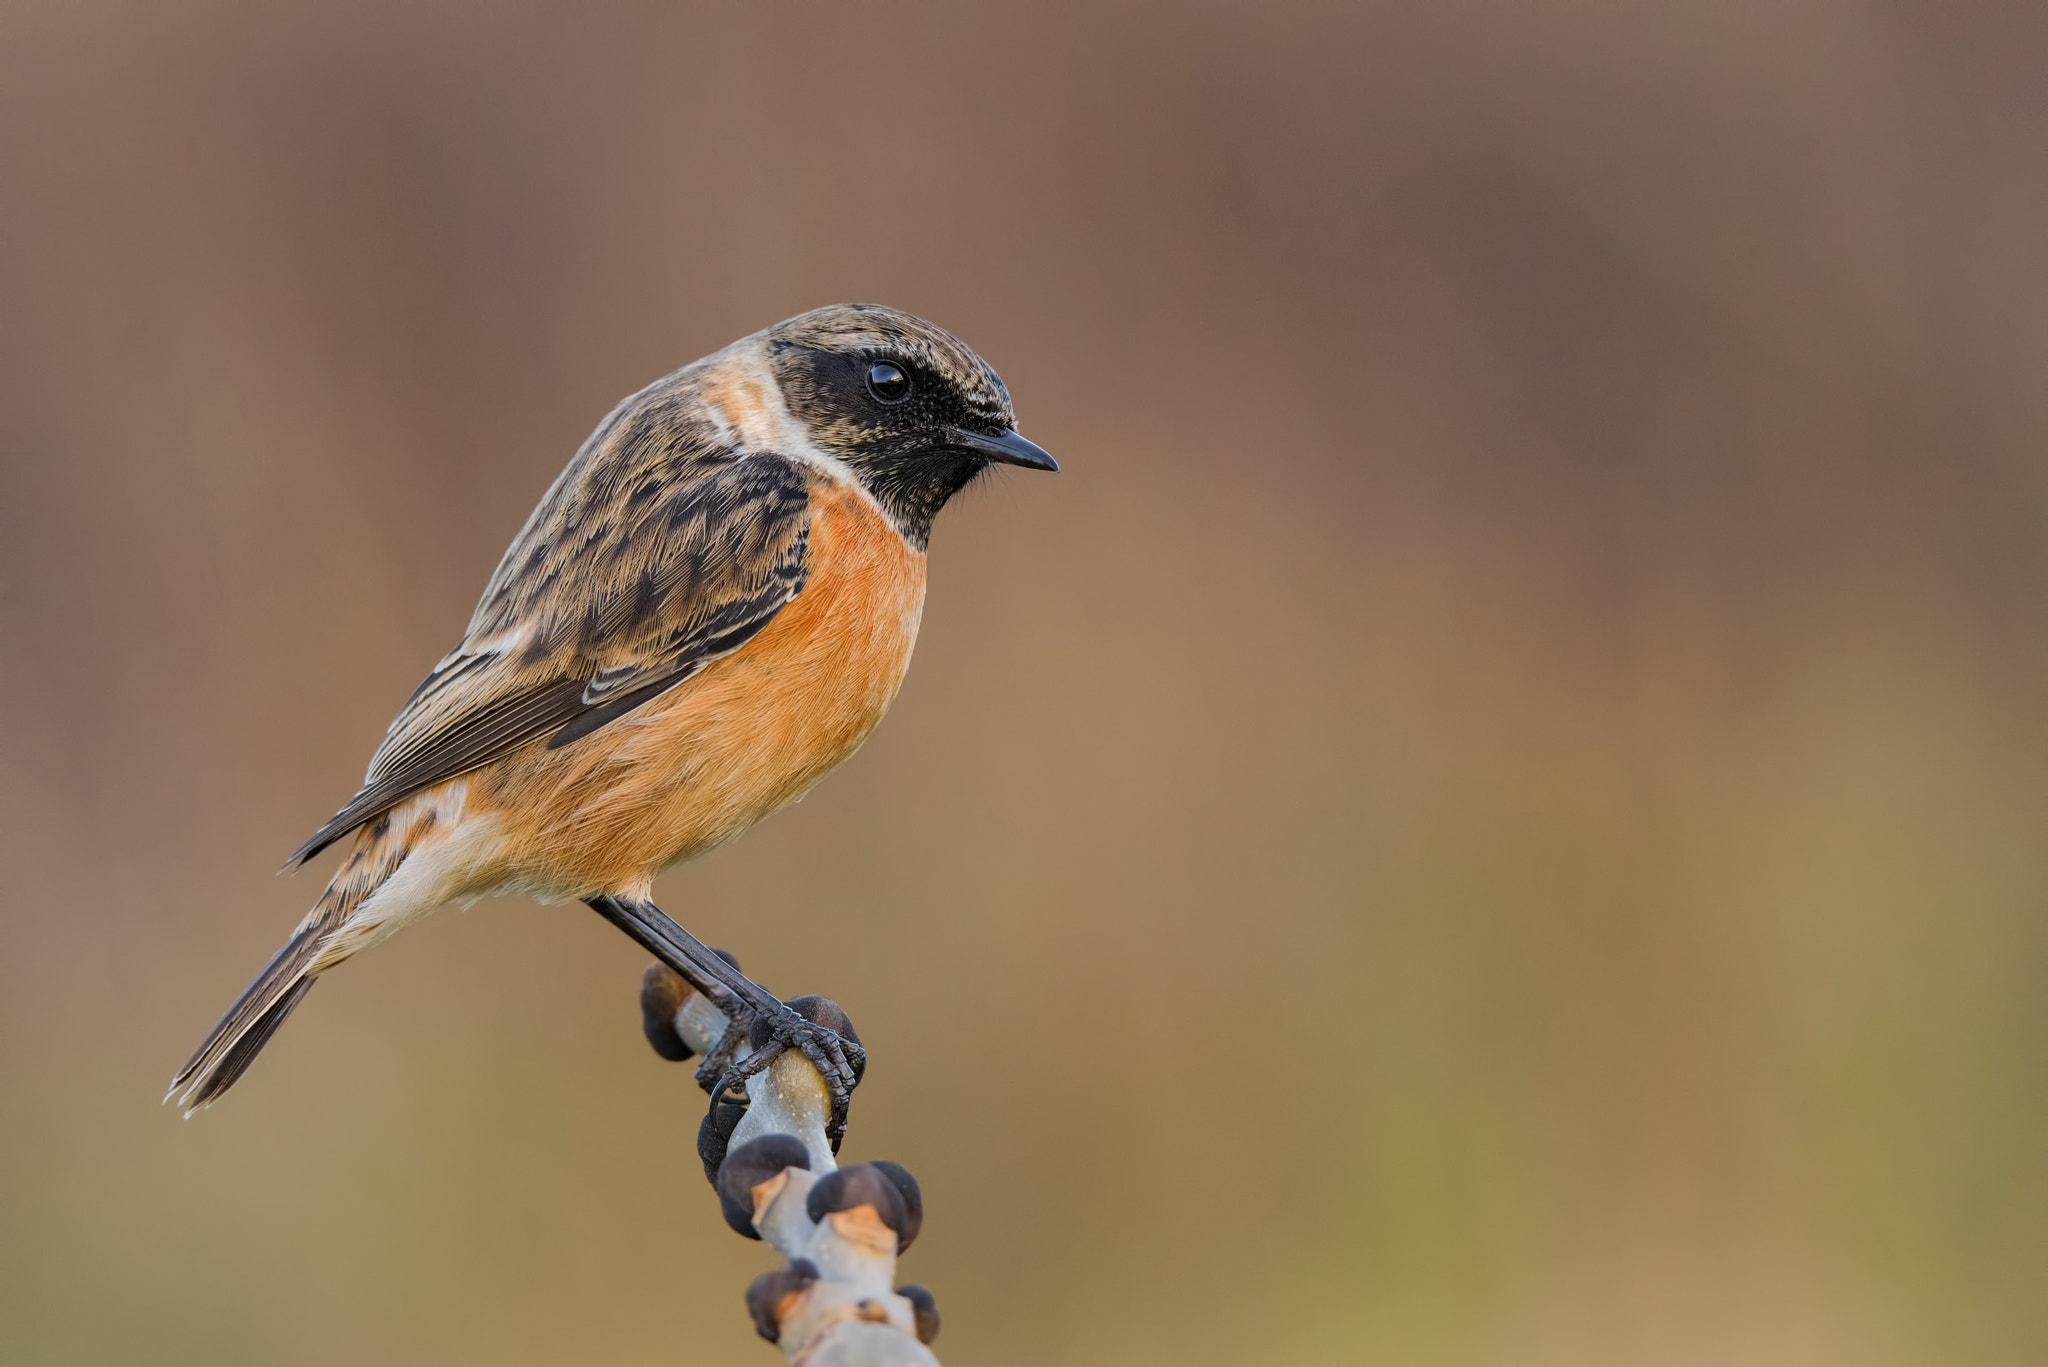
x=834 y=1303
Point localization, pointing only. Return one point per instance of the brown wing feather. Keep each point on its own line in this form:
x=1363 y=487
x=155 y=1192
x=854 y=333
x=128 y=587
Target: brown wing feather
x=658 y=549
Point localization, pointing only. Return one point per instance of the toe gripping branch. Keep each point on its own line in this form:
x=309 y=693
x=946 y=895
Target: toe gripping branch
x=743 y=1011
x=768 y=1144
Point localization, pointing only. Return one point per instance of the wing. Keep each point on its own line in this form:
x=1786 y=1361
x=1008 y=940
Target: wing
x=652 y=555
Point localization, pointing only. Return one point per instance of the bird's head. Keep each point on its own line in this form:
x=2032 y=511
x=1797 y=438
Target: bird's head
x=908 y=406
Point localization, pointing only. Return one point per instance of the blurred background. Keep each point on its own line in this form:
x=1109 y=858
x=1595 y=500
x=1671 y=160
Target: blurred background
x=1492 y=815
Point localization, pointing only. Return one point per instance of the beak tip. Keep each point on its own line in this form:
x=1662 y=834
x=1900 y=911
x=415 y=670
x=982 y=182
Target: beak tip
x=1008 y=448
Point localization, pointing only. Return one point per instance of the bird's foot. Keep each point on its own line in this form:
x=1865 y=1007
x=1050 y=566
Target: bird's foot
x=813 y=1026
x=739 y=1021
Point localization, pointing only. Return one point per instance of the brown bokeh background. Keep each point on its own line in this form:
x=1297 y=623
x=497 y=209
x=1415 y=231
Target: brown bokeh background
x=1493 y=814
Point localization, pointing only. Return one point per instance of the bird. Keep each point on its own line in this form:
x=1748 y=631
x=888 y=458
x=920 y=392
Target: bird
x=710 y=608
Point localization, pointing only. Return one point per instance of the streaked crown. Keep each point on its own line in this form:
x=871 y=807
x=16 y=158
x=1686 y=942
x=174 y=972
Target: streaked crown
x=877 y=332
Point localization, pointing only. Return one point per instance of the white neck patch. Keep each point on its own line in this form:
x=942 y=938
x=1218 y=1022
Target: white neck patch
x=743 y=399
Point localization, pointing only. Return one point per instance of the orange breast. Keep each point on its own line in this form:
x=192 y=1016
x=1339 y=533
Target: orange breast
x=704 y=761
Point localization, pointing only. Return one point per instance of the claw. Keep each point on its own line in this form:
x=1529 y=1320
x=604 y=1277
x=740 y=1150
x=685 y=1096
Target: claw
x=816 y=1028
x=732 y=1084
x=739 y=1025
x=814 y=1025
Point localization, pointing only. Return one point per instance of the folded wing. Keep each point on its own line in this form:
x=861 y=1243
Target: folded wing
x=651 y=557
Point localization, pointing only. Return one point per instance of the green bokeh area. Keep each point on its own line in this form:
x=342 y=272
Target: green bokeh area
x=1492 y=814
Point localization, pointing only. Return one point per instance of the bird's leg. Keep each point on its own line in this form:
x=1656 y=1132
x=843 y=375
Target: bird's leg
x=836 y=1056
x=735 y=995
x=696 y=962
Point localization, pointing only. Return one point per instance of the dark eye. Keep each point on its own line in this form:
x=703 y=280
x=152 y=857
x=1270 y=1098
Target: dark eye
x=887 y=382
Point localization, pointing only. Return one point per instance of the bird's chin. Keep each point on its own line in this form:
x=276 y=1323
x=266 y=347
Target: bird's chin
x=913 y=487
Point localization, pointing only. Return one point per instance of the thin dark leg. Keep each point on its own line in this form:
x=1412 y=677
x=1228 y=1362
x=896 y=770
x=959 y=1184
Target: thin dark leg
x=656 y=932
x=742 y=1000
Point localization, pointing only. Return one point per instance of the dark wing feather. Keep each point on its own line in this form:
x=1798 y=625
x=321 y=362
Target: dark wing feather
x=656 y=552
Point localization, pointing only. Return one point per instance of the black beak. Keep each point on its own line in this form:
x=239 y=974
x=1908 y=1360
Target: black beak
x=1007 y=447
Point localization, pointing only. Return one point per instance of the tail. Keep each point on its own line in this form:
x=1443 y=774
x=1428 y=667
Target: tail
x=323 y=939
x=234 y=1043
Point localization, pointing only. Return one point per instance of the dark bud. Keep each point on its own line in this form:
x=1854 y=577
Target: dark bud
x=921 y=1302
x=719 y=1123
x=913 y=1199
x=747 y=1167
x=772 y=1291
x=662 y=990
x=863 y=1184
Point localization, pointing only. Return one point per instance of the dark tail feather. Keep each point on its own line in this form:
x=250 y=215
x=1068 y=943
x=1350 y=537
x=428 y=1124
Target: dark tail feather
x=243 y=1051
x=251 y=1021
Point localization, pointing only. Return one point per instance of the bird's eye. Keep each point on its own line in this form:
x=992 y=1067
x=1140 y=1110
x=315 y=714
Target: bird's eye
x=888 y=382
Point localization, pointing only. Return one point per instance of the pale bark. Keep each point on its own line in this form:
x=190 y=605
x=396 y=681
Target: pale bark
x=851 y=1316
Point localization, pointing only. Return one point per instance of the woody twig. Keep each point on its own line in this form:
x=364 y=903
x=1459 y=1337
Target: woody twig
x=834 y=1302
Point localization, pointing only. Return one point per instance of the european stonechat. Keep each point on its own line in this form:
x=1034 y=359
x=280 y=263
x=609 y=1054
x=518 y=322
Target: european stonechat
x=711 y=607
